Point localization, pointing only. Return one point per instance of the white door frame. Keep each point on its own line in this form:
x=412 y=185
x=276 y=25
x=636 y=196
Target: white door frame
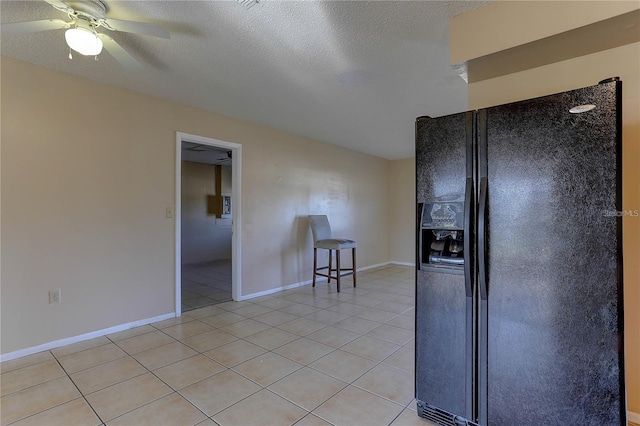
x=236 y=212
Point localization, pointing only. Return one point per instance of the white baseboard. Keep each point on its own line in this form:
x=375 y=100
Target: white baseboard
x=82 y=337
x=377 y=265
x=277 y=289
x=122 y=327
x=403 y=263
x=633 y=417
x=302 y=283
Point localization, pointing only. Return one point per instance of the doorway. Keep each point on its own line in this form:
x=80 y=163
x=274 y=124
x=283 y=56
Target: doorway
x=223 y=209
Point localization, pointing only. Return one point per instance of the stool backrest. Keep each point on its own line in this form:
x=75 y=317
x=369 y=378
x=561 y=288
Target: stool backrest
x=320 y=227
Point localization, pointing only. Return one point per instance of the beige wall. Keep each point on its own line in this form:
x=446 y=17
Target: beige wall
x=403 y=210
x=87 y=173
x=205 y=237
x=472 y=37
x=571 y=74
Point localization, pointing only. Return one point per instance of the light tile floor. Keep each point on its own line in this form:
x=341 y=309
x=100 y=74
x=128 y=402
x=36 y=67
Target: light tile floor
x=304 y=356
x=205 y=285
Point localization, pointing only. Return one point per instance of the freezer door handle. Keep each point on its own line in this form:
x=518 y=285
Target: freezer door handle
x=468 y=202
x=482 y=239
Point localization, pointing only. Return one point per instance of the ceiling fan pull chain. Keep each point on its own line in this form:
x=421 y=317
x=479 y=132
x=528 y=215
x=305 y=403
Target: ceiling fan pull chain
x=95 y=33
x=73 y=25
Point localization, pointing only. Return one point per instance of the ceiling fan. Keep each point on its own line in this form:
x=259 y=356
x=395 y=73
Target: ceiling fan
x=210 y=153
x=82 y=35
x=225 y=160
x=222 y=161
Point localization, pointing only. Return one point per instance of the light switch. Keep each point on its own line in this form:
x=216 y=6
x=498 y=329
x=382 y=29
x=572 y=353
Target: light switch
x=169 y=212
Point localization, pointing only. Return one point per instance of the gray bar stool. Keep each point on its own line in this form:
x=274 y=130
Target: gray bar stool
x=322 y=239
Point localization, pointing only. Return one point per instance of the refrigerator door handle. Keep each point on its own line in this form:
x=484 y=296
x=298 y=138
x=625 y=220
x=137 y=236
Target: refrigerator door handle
x=482 y=241
x=468 y=195
x=419 y=235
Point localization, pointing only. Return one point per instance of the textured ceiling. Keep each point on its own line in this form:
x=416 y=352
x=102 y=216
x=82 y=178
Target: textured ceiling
x=351 y=73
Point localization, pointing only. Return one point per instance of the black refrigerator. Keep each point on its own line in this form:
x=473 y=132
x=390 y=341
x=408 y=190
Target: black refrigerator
x=519 y=263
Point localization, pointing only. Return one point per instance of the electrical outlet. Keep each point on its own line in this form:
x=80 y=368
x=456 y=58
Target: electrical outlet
x=54 y=296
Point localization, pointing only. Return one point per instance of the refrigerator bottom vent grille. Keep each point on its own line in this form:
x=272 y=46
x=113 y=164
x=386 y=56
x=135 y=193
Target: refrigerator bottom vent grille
x=441 y=417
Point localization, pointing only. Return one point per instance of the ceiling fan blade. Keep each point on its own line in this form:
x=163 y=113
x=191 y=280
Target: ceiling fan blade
x=119 y=54
x=33 y=26
x=63 y=7
x=137 y=28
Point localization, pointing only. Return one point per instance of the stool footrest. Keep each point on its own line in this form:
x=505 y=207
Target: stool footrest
x=339 y=271
x=348 y=271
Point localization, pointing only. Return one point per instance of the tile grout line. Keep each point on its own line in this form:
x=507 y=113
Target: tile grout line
x=174 y=391
x=308 y=365
x=270 y=327
x=82 y=395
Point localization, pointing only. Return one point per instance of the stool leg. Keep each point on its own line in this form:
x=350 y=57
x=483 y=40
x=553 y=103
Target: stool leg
x=329 y=273
x=353 y=251
x=315 y=265
x=338 y=268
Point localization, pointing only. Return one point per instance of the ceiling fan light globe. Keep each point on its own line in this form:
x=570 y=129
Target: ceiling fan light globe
x=83 y=41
